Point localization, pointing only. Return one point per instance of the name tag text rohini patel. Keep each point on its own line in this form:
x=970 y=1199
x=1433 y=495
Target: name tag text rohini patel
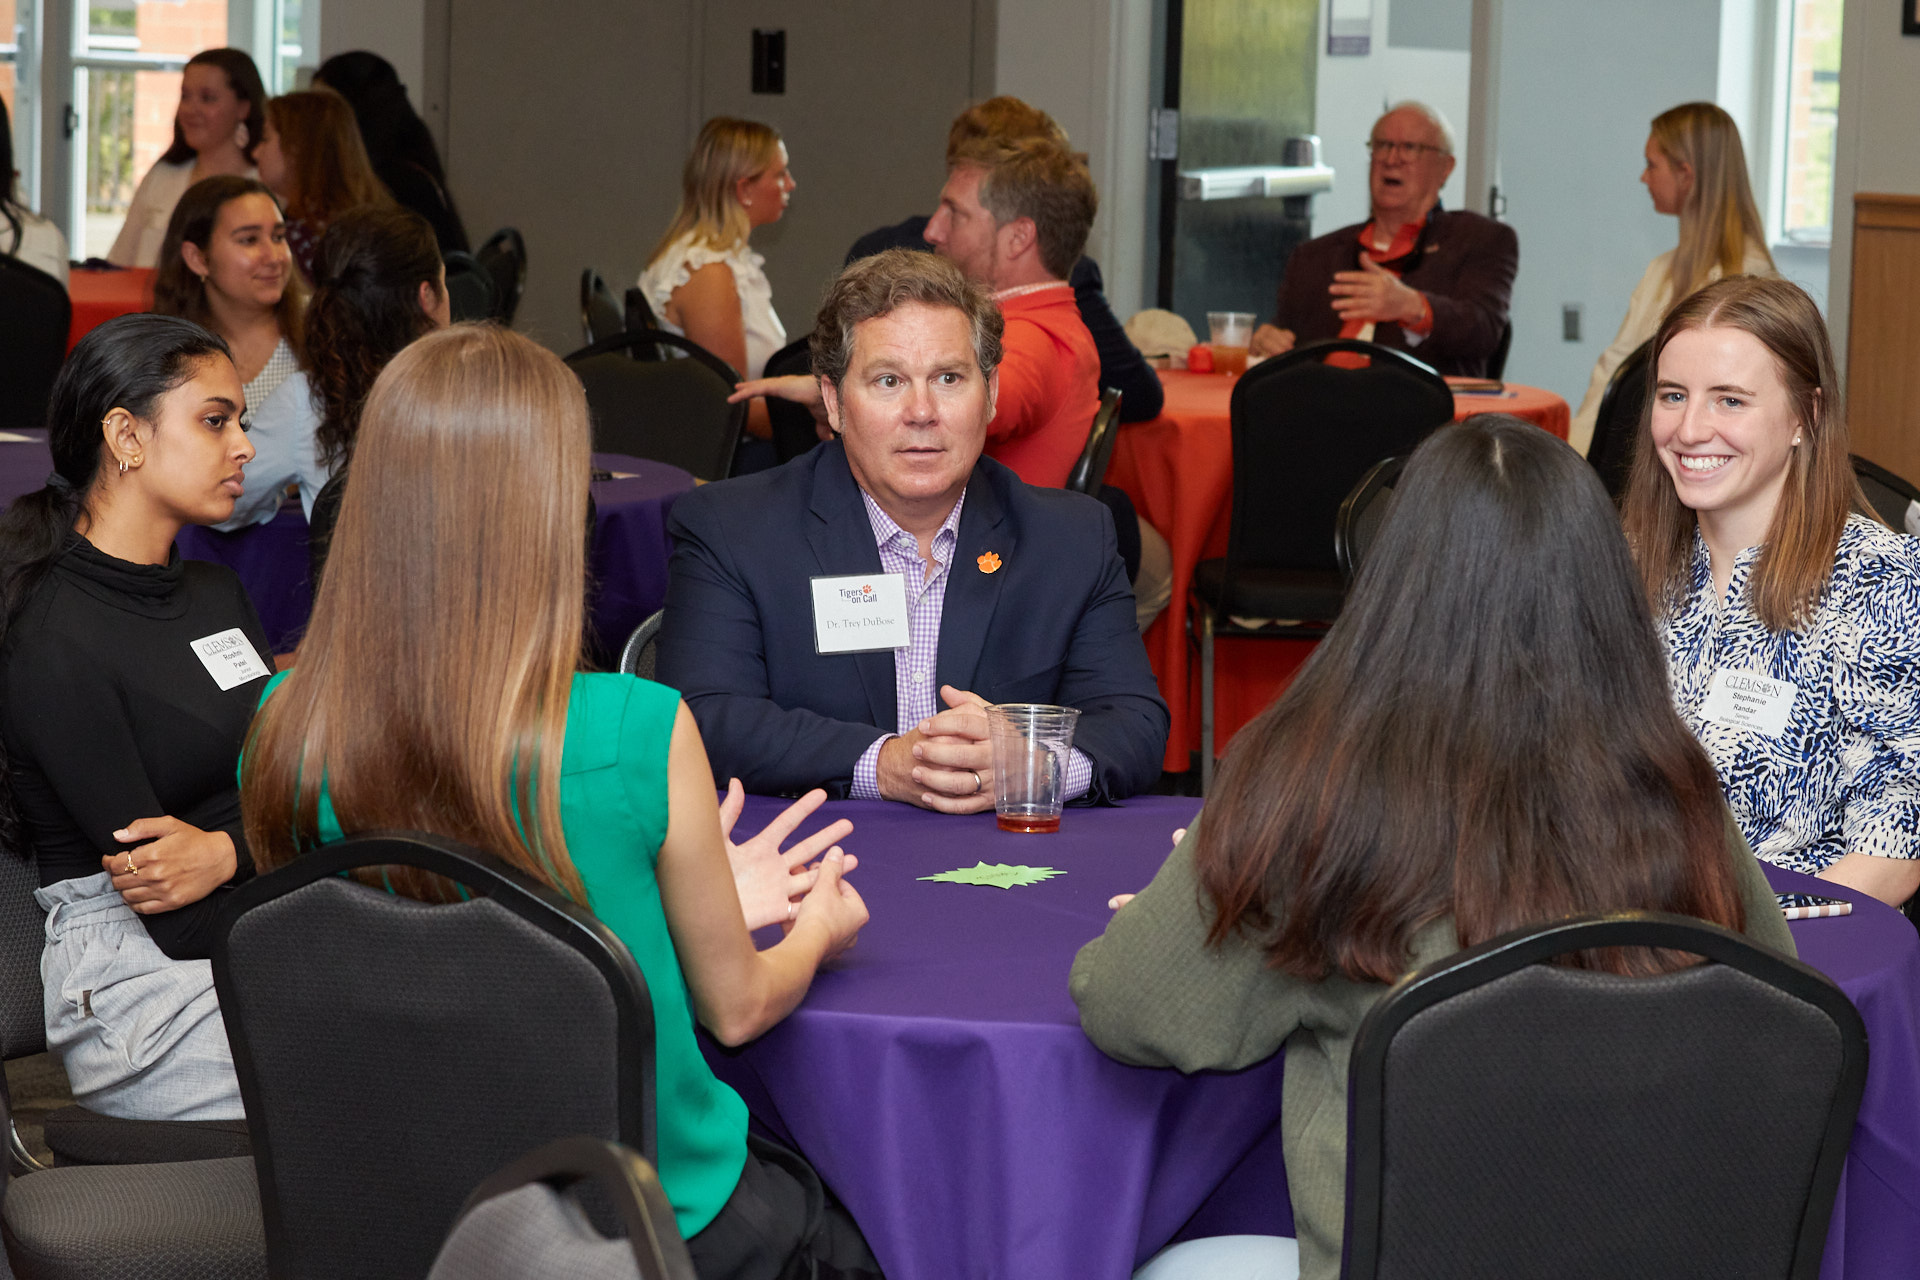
x=1749 y=700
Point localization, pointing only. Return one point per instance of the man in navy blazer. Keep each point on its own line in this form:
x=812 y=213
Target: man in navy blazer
x=1012 y=594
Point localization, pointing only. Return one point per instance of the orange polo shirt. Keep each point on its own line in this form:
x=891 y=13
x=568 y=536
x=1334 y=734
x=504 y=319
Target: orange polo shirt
x=1049 y=386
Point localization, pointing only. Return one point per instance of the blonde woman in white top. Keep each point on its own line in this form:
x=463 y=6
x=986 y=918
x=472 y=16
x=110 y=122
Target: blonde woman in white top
x=702 y=280
x=1696 y=170
x=221 y=119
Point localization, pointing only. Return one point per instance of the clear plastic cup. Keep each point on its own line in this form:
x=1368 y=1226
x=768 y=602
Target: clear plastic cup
x=1229 y=333
x=1030 y=745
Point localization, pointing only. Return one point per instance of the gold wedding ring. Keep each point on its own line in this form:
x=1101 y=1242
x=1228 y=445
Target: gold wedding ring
x=977 y=784
x=132 y=869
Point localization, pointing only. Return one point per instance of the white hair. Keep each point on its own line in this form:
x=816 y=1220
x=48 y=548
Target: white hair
x=1432 y=116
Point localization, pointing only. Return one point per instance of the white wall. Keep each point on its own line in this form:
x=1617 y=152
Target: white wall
x=1099 y=93
x=1577 y=84
x=1350 y=96
x=394 y=29
x=1875 y=151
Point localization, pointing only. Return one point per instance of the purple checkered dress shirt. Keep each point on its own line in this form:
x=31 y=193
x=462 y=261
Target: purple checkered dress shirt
x=915 y=694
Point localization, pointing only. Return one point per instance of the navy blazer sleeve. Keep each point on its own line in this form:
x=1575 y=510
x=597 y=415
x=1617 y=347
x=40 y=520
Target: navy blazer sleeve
x=1122 y=367
x=713 y=649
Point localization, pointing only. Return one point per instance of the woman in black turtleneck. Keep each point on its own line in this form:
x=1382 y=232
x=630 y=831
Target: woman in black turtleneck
x=127 y=680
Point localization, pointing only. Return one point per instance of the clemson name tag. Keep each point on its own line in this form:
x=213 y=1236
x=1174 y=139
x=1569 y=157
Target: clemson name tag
x=860 y=613
x=1745 y=700
x=229 y=658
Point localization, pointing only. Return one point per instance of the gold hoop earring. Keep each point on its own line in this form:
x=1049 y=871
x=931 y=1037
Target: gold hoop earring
x=123 y=466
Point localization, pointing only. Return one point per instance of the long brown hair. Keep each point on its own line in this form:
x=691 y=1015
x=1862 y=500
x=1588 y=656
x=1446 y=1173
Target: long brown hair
x=326 y=162
x=177 y=291
x=432 y=688
x=1718 y=219
x=726 y=151
x=244 y=78
x=1796 y=560
x=366 y=307
x=1485 y=734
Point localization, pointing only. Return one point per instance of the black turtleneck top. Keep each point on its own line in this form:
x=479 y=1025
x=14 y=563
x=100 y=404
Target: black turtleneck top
x=109 y=714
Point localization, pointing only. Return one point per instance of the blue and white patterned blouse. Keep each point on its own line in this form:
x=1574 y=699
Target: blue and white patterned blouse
x=1843 y=773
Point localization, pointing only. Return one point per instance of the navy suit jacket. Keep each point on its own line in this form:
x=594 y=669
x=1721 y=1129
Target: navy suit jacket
x=1055 y=623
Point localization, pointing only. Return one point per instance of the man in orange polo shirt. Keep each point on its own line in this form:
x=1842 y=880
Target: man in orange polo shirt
x=1014 y=217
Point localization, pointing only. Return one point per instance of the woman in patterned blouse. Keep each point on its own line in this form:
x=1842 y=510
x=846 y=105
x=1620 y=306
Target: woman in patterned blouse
x=1791 y=618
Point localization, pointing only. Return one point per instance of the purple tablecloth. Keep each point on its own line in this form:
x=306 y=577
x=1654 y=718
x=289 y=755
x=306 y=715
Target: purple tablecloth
x=628 y=565
x=938 y=1079
x=1874 y=954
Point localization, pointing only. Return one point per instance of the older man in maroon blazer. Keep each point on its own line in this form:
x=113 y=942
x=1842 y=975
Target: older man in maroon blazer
x=1414 y=276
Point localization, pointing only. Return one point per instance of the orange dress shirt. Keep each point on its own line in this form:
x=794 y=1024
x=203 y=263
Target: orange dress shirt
x=1049 y=386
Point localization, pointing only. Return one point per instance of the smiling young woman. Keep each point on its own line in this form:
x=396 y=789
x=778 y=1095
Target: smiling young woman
x=215 y=131
x=1761 y=560
x=226 y=265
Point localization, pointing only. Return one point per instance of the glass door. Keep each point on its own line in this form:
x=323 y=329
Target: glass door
x=19 y=85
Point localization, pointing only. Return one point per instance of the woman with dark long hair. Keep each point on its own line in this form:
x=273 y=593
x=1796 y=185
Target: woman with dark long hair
x=396 y=139
x=226 y=266
x=313 y=161
x=24 y=234
x=1482 y=742
x=129 y=678
x=1768 y=577
x=215 y=131
x=439 y=689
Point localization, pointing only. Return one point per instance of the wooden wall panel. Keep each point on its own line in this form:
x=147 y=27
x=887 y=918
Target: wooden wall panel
x=1883 y=353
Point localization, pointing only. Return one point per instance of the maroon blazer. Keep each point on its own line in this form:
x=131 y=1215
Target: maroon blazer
x=1466 y=265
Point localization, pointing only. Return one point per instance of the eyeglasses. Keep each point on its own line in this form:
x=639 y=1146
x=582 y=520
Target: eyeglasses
x=1381 y=150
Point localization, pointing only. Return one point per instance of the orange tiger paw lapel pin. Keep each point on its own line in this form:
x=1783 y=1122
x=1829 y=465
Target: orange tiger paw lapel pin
x=989 y=562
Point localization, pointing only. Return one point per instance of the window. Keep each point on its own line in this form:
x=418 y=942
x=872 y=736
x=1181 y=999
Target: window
x=19 y=74
x=1812 y=59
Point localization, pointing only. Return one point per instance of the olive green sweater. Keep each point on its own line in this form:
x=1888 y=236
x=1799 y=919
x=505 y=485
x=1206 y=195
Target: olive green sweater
x=1152 y=993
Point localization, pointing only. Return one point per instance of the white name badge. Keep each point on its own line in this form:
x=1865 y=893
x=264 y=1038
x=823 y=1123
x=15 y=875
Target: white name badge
x=229 y=658
x=860 y=613
x=1744 y=700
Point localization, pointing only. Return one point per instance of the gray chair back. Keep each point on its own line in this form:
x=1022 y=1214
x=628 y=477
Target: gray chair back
x=638 y=653
x=1512 y=1117
x=392 y=1053
x=521 y=1224
x=672 y=411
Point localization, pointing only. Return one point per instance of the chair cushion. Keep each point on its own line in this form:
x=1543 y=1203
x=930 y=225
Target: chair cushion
x=194 y=1221
x=532 y=1233
x=76 y=1135
x=1306 y=594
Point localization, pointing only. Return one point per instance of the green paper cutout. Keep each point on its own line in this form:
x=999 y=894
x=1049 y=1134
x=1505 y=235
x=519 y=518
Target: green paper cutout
x=996 y=875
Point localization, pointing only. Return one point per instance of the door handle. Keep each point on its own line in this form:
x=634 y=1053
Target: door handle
x=70 y=122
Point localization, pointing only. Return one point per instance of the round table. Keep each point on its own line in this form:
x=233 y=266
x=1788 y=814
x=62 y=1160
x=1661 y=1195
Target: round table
x=1178 y=469
x=98 y=295
x=627 y=566
x=937 y=1076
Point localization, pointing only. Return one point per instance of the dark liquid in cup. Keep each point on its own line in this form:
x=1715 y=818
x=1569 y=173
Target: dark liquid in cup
x=1030 y=825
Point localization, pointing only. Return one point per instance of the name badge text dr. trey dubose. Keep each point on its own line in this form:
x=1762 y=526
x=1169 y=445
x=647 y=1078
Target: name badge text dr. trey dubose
x=860 y=613
x=1749 y=700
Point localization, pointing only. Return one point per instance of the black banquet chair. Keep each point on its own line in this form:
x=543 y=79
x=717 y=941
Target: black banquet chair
x=1090 y=468
x=35 y=315
x=504 y=258
x=638 y=653
x=471 y=294
x=1362 y=514
x=1617 y=423
x=600 y=313
x=1304 y=433
x=672 y=411
x=1512 y=1117
x=1891 y=496
x=78 y=1135
x=520 y=1224
x=793 y=429
x=393 y=1053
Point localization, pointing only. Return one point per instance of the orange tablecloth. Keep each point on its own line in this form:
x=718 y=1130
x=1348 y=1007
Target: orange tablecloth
x=99 y=296
x=1178 y=469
